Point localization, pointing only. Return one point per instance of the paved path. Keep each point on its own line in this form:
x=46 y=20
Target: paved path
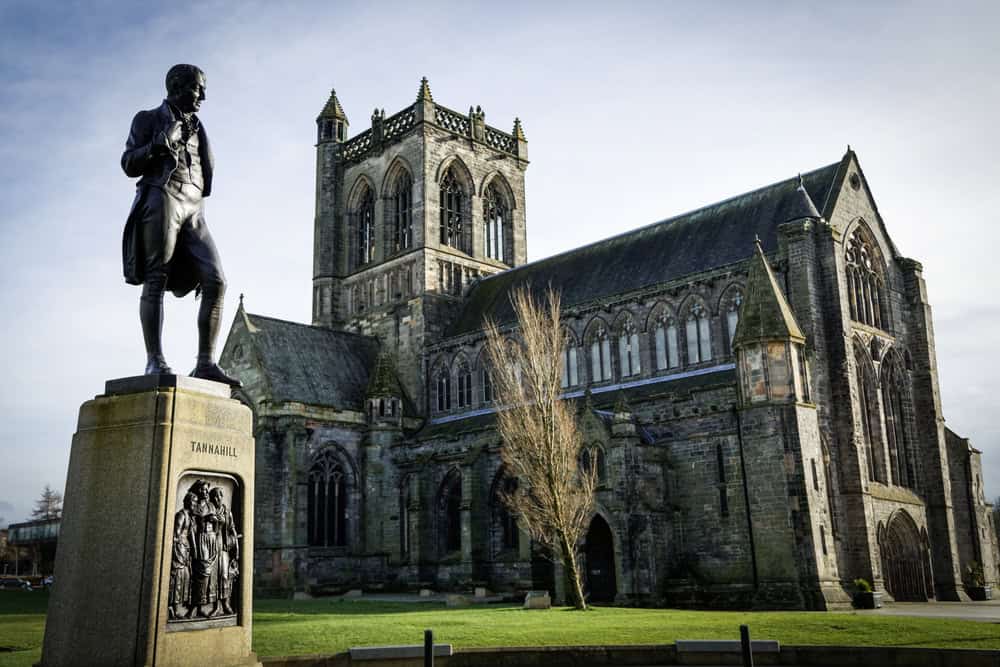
x=986 y=612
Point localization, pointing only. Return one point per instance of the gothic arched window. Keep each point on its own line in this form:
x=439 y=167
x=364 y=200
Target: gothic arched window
x=665 y=342
x=866 y=279
x=628 y=349
x=455 y=230
x=327 y=502
x=698 y=332
x=729 y=310
x=402 y=213
x=592 y=459
x=450 y=513
x=364 y=216
x=486 y=382
x=900 y=455
x=570 y=369
x=506 y=523
x=443 y=390
x=871 y=422
x=496 y=219
x=600 y=355
x=464 y=395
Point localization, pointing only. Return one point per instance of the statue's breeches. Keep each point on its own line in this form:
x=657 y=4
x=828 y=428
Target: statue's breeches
x=176 y=243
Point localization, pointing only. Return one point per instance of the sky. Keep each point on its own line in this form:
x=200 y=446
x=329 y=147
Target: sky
x=634 y=112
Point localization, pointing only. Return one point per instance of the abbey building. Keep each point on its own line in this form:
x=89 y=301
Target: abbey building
x=756 y=381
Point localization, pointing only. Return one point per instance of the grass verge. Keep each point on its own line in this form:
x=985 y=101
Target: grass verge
x=285 y=627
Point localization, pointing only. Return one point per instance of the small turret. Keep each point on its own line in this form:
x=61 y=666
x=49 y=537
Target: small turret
x=332 y=122
x=801 y=205
x=769 y=344
x=384 y=395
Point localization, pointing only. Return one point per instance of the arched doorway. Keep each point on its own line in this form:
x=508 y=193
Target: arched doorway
x=903 y=560
x=600 y=553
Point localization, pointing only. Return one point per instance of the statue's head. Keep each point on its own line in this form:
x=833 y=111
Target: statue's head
x=186 y=87
x=216 y=495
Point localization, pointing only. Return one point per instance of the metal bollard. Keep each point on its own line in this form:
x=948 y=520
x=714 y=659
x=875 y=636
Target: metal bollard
x=745 y=645
x=428 y=648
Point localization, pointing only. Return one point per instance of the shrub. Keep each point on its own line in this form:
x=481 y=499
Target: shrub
x=862 y=585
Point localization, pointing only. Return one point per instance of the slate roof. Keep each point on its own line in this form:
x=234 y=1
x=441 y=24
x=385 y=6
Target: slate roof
x=705 y=239
x=312 y=365
x=765 y=314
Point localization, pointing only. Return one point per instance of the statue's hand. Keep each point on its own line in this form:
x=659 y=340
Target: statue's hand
x=174 y=134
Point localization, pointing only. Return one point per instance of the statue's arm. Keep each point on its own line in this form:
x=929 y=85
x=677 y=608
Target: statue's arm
x=141 y=147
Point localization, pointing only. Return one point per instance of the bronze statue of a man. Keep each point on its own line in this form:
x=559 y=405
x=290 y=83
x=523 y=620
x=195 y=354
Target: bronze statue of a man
x=167 y=244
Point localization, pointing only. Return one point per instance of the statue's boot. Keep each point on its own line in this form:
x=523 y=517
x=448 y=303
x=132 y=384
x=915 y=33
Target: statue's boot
x=151 y=317
x=209 y=316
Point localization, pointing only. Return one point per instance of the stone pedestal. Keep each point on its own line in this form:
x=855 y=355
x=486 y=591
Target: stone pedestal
x=155 y=555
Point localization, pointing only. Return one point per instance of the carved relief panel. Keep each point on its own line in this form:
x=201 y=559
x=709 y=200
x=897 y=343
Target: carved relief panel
x=204 y=565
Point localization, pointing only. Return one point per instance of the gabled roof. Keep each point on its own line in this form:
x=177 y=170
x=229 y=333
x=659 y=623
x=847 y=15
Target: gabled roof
x=312 y=365
x=765 y=313
x=702 y=240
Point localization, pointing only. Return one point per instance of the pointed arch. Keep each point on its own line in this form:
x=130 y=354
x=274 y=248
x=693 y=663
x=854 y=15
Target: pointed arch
x=729 y=312
x=627 y=335
x=463 y=380
x=449 y=512
x=904 y=563
x=484 y=377
x=597 y=339
x=867 y=276
x=331 y=494
x=663 y=330
x=697 y=329
x=498 y=179
x=871 y=418
x=570 y=357
x=895 y=400
x=398 y=194
x=455 y=188
x=505 y=534
x=361 y=222
x=441 y=384
x=498 y=221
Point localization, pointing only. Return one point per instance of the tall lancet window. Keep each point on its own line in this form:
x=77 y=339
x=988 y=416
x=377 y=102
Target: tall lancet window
x=628 y=349
x=365 y=220
x=327 y=502
x=454 y=226
x=698 y=332
x=600 y=355
x=402 y=213
x=570 y=370
x=729 y=310
x=665 y=341
x=496 y=215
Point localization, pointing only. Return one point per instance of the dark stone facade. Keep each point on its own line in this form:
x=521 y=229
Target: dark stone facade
x=766 y=423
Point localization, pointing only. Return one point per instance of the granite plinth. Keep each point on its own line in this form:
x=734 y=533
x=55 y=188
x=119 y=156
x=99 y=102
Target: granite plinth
x=137 y=452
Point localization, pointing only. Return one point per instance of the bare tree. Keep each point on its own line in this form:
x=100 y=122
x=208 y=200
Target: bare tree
x=49 y=506
x=540 y=440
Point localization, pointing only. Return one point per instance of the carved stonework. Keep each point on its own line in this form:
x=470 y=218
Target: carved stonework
x=205 y=557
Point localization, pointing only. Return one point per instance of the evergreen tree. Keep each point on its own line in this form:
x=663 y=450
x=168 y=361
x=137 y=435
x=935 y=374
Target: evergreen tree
x=49 y=506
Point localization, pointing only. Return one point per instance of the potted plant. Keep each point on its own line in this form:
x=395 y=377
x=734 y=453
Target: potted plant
x=865 y=597
x=976 y=583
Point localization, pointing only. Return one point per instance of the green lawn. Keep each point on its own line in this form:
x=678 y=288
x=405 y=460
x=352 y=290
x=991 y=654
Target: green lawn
x=283 y=627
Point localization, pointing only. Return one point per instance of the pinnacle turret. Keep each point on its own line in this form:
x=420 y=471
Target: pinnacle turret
x=518 y=131
x=424 y=93
x=801 y=204
x=332 y=109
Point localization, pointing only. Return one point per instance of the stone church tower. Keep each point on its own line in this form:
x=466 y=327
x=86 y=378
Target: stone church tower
x=396 y=247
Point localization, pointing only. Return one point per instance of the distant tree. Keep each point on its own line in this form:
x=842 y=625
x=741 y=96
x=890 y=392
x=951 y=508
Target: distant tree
x=540 y=439
x=49 y=506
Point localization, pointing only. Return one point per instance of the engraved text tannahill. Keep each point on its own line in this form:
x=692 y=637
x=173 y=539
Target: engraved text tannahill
x=212 y=448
